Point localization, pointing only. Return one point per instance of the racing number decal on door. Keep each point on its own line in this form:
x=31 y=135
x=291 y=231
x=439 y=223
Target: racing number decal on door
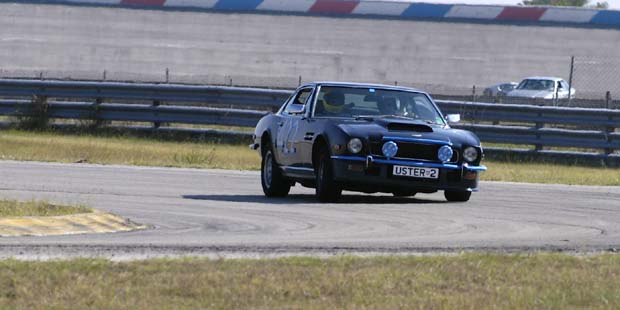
x=286 y=134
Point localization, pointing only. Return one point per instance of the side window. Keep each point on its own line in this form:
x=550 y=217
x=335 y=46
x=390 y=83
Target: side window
x=298 y=103
x=560 y=85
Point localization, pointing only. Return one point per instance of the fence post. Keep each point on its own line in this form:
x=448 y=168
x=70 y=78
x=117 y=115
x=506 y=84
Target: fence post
x=473 y=94
x=570 y=78
x=299 y=82
x=608 y=100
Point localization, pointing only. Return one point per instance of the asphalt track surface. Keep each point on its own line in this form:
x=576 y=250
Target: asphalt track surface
x=223 y=213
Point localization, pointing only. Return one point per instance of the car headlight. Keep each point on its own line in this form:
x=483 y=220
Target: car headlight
x=355 y=145
x=470 y=154
x=445 y=153
x=389 y=149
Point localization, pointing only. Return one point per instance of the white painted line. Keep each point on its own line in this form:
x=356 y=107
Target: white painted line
x=286 y=5
x=568 y=15
x=97 y=1
x=381 y=8
x=205 y=4
x=474 y=11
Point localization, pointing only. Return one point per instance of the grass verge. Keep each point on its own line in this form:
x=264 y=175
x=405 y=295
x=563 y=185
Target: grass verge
x=468 y=281
x=124 y=149
x=130 y=150
x=10 y=208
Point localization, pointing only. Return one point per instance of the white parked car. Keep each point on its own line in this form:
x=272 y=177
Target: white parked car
x=542 y=88
x=499 y=89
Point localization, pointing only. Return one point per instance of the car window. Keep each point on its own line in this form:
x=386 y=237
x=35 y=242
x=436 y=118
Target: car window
x=338 y=101
x=536 y=84
x=299 y=101
x=506 y=87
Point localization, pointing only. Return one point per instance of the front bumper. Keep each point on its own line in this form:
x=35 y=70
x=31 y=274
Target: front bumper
x=375 y=174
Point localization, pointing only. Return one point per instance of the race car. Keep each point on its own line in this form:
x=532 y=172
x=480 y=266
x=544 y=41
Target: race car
x=335 y=136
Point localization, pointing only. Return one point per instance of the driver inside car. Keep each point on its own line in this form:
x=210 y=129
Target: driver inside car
x=333 y=104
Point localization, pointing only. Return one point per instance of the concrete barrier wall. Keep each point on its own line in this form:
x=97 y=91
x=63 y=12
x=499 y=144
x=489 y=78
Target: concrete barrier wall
x=403 y=9
x=82 y=42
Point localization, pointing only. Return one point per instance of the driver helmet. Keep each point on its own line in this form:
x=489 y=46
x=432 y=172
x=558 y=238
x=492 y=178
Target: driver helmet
x=333 y=102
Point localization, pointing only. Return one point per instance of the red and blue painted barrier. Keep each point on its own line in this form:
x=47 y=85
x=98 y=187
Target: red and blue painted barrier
x=406 y=10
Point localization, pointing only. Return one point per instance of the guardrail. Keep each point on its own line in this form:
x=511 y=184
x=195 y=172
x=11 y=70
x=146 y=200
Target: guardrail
x=577 y=130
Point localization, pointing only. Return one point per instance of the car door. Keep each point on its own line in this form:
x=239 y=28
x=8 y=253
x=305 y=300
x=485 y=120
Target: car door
x=288 y=127
x=559 y=91
x=308 y=129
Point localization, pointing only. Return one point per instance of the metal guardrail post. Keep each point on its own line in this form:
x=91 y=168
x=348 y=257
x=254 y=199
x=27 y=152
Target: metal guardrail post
x=539 y=125
x=156 y=124
x=608 y=131
x=97 y=122
x=39 y=113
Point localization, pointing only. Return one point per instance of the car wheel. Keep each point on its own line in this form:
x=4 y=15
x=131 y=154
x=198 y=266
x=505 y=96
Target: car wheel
x=272 y=180
x=326 y=189
x=403 y=194
x=457 y=196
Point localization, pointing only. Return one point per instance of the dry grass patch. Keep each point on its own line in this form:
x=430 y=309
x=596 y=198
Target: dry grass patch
x=10 y=208
x=550 y=174
x=470 y=281
x=56 y=147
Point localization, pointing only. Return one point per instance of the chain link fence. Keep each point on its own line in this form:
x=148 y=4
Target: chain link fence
x=595 y=79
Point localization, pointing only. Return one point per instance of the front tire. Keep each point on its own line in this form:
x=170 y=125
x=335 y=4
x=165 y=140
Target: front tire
x=457 y=196
x=326 y=189
x=273 y=182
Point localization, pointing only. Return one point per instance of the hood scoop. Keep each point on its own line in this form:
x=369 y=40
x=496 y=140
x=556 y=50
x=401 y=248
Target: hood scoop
x=409 y=127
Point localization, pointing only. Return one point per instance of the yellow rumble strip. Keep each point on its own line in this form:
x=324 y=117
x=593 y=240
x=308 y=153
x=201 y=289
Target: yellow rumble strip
x=84 y=223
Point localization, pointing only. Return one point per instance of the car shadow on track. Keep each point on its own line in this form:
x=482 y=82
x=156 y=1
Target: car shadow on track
x=309 y=199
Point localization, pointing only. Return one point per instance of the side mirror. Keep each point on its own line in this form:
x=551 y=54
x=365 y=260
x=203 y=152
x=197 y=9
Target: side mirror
x=453 y=118
x=296 y=109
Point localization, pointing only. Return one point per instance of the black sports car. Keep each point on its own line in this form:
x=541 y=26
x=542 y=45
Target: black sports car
x=368 y=138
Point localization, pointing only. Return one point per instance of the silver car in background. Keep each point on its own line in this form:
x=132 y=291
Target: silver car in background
x=499 y=90
x=542 y=88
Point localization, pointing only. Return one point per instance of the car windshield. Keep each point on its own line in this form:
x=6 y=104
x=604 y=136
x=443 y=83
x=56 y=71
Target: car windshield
x=532 y=84
x=370 y=103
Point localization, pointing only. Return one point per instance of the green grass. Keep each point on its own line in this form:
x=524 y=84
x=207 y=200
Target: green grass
x=38 y=208
x=468 y=281
x=128 y=150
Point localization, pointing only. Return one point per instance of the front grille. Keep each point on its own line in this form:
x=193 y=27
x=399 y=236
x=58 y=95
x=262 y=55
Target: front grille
x=412 y=150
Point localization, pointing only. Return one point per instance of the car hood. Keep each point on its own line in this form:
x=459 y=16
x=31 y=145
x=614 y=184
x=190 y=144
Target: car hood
x=528 y=93
x=379 y=129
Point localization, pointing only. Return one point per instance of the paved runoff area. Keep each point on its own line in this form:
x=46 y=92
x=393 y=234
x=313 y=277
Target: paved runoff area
x=224 y=213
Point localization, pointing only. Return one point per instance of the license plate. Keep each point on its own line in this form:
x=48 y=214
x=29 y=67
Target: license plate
x=416 y=172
